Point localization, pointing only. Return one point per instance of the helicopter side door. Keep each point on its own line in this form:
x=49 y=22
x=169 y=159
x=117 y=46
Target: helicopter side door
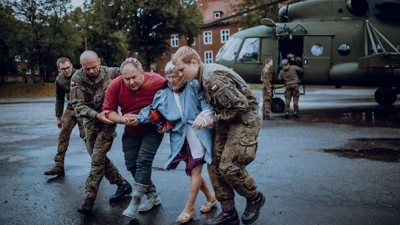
x=317 y=58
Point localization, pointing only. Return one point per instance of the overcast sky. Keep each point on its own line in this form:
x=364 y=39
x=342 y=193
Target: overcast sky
x=77 y=3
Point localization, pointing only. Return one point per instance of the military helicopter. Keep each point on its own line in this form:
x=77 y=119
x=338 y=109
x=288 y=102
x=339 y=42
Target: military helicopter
x=340 y=42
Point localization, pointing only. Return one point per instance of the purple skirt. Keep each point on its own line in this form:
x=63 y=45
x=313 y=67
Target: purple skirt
x=185 y=155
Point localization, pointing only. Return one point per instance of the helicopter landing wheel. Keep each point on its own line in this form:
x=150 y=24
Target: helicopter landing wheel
x=277 y=105
x=385 y=96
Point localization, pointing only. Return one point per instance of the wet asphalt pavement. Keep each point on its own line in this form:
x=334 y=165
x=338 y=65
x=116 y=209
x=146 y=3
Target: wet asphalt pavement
x=337 y=164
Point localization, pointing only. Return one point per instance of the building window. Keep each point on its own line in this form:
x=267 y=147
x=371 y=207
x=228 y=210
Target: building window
x=224 y=35
x=217 y=15
x=208 y=57
x=207 y=37
x=317 y=50
x=174 y=40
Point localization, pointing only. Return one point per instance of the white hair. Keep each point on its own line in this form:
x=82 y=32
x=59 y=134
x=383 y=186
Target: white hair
x=169 y=68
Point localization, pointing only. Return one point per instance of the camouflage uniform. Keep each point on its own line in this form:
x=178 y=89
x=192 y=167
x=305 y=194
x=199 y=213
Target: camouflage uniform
x=266 y=78
x=290 y=75
x=87 y=98
x=69 y=118
x=238 y=123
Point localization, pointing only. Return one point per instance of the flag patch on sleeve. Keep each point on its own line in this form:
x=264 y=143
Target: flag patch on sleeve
x=72 y=83
x=214 y=87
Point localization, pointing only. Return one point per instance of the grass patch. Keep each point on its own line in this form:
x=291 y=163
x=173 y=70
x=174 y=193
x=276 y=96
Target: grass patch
x=255 y=86
x=27 y=90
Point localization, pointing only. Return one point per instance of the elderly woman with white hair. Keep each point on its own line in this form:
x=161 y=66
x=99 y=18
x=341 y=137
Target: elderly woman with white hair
x=183 y=105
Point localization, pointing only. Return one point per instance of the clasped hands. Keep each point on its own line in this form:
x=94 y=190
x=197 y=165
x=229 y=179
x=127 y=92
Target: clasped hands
x=130 y=120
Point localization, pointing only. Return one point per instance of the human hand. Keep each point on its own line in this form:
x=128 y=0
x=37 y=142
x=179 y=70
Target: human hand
x=102 y=117
x=59 y=122
x=131 y=120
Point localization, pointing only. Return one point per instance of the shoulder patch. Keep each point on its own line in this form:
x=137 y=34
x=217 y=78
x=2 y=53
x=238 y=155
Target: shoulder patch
x=73 y=83
x=214 y=87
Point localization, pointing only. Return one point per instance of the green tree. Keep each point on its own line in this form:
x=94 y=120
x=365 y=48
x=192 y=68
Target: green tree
x=103 y=34
x=48 y=34
x=7 y=27
x=149 y=23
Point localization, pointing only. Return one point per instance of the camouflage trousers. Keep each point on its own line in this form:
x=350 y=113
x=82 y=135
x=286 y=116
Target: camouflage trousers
x=69 y=119
x=234 y=147
x=292 y=91
x=99 y=138
x=267 y=98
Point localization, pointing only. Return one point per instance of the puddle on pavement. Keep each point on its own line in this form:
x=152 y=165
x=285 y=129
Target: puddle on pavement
x=382 y=118
x=378 y=154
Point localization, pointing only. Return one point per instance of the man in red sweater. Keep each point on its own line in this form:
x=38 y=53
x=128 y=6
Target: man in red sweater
x=132 y=91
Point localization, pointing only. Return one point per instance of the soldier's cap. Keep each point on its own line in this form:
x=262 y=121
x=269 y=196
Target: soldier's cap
x=290 y=55
x=284 y=62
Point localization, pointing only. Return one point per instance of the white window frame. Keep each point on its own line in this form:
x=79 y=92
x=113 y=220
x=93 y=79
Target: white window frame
x=174 y=38
x=224 y=35
x=217 y=15
x=206 y=59
x=207 y=39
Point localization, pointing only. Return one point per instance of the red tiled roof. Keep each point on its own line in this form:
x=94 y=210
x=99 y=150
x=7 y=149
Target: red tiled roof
x=210 y=6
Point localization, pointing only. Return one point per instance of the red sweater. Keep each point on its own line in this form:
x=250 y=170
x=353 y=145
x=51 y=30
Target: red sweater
x=118 y=94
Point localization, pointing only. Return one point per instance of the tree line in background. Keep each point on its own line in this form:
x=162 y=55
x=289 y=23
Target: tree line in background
x=35 y=33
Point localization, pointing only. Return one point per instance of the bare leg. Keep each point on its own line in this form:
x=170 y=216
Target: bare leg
x=204 y=188
x=195 y=183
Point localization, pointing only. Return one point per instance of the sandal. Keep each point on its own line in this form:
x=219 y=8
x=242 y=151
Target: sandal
x=206 y=207
x=184 y=217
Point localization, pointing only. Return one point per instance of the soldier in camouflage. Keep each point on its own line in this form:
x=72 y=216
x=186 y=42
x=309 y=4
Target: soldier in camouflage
x=266 y=78
x=88 y=87
x=290 y=75
x=238 y=123
x=67 y=120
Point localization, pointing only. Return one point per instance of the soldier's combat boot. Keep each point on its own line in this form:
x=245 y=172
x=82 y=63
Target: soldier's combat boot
x=138 y=192
x=253 y=207
x=57 y=170
x=124 y=188
x=226 y=217
x=87 y=206
x=152 y=199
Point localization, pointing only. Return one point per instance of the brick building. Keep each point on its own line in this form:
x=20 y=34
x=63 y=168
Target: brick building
x=212 y=36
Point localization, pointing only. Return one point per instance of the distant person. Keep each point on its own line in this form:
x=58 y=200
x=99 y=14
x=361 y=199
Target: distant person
x=132 y=91
x=290 y=75
x=266 y=78
x=292 y=59
x=237 y=124
x=183 y=105
x=88 y=87
x=65 y=120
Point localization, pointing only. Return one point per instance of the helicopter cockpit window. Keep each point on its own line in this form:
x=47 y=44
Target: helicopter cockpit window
x=231 y=48
x=317 y=50
x=250 y=50
x=344 y=49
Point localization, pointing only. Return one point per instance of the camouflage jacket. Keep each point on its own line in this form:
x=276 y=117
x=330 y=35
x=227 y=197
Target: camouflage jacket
x=266 y=76
x=227 y=92
x=87 y=95
x=62 y=92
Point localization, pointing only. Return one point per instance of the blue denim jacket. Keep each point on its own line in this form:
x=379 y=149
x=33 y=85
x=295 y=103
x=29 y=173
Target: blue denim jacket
x=192 y=103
